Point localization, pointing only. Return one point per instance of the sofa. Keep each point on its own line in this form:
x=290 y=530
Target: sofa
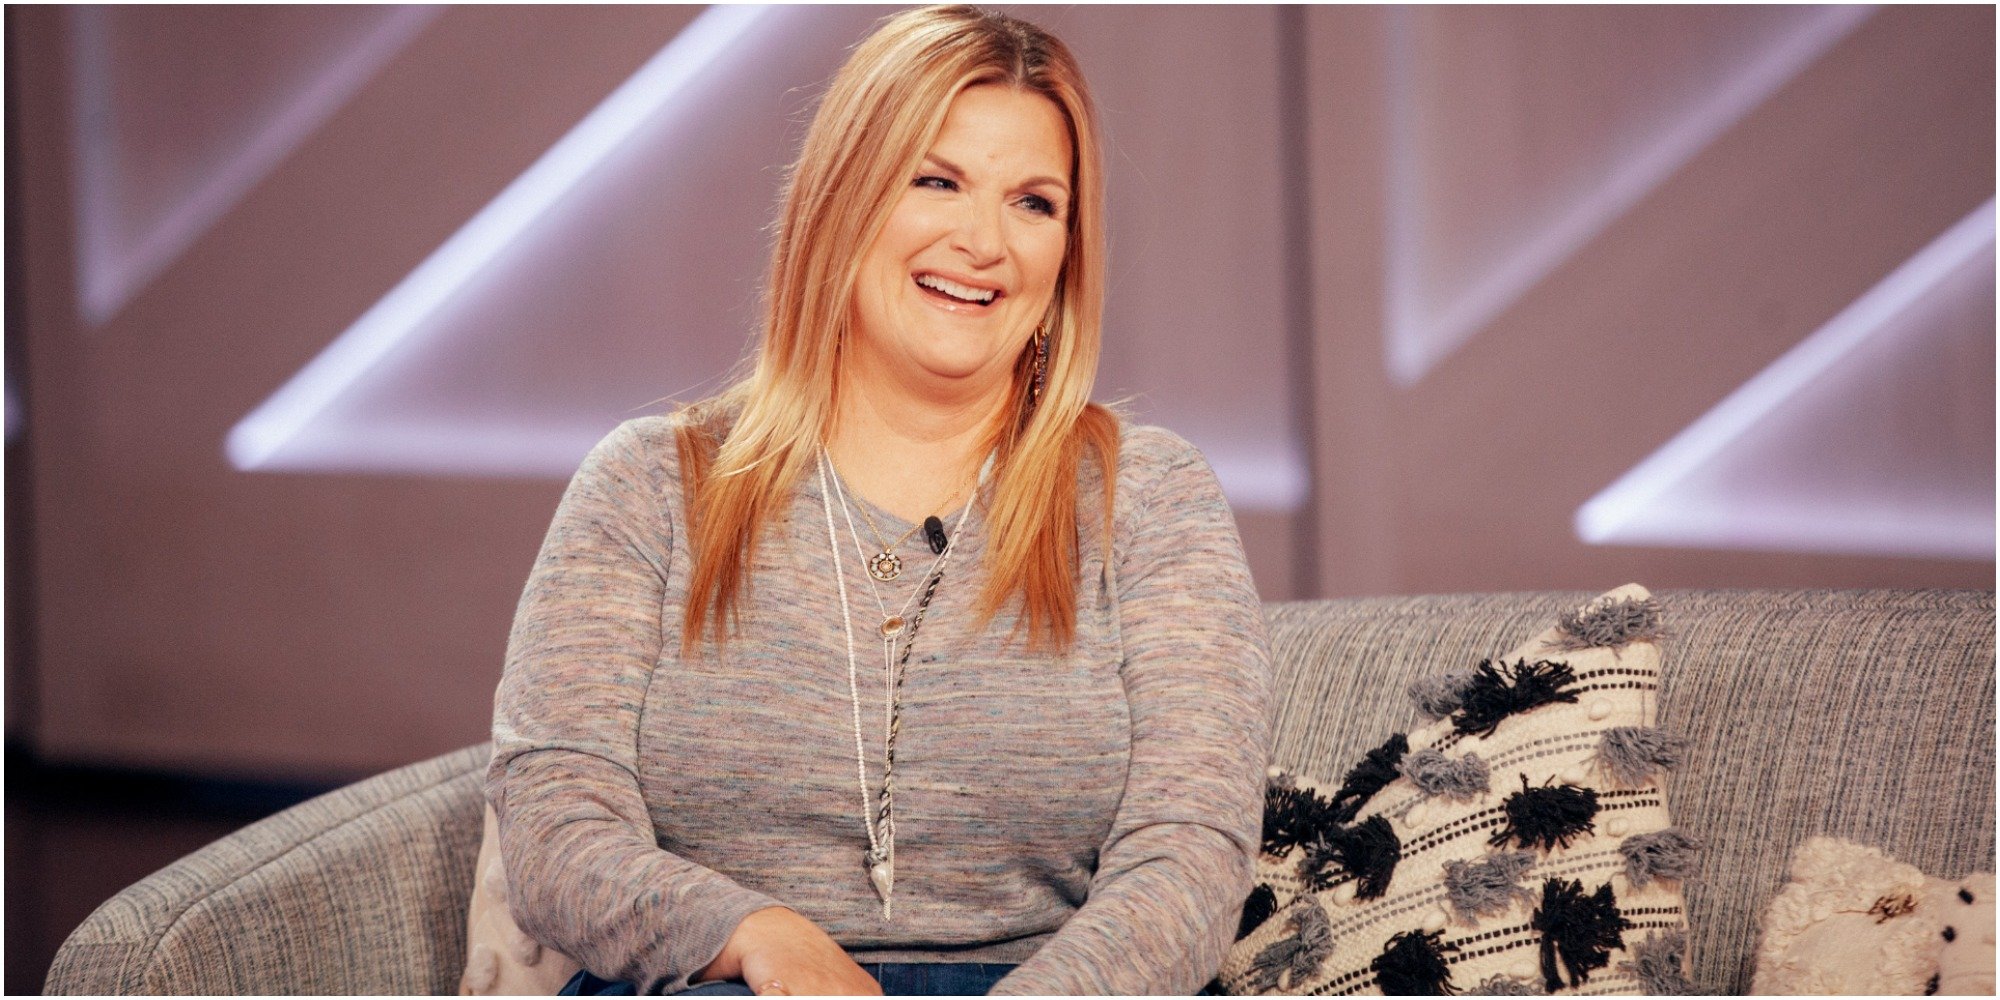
x=1860 y=714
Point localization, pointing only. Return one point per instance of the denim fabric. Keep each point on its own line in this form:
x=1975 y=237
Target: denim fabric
x=908 y=979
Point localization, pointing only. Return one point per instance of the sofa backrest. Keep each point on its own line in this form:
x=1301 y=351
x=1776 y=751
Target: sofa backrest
x=1867 y=715
x=1859 y=714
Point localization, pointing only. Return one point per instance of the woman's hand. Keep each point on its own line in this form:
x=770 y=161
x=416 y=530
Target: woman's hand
x=779 y=953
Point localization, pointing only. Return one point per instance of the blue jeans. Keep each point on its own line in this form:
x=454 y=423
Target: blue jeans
x=906 y=979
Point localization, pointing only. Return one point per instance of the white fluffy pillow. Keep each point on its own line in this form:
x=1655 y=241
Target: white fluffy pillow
x=1854 y=921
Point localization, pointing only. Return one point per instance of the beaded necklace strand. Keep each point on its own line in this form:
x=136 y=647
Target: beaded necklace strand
x=880 y=858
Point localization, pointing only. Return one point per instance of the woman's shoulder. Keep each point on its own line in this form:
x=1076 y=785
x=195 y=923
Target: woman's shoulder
x=640 y=451
x=1150 y=455
x=1155 y=466
x=1165 y=488
x=1150 y=446
x=641 y=439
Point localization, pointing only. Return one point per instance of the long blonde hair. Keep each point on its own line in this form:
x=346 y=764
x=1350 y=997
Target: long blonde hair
x=742 y=452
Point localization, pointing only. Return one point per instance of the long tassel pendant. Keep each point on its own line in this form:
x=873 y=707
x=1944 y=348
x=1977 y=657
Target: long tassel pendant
x=882 y=873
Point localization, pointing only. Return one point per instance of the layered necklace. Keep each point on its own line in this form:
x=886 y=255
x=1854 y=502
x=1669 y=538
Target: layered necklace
x=878 y=815
x=885 y=565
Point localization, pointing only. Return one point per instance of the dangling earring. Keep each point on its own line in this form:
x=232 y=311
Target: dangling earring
x=1041 y=374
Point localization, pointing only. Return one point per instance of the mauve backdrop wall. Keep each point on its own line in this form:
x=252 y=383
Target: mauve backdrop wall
x=1422 y=283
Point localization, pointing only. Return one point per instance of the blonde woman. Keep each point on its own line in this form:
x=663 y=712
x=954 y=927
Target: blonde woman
x=900 y=665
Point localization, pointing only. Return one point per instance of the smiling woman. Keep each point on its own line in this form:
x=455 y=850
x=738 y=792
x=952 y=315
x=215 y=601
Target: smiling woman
x=965 y=269
x=901 y=665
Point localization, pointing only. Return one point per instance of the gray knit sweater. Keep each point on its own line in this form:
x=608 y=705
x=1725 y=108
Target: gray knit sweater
x=1092 y=816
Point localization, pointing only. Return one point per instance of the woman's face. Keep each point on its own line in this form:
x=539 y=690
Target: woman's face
x=963 y=271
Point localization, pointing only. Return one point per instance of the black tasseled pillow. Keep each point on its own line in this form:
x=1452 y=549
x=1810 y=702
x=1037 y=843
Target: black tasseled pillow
x=1520 y=844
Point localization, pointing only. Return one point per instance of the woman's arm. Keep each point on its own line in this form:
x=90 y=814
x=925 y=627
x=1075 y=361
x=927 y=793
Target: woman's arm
x=1172 y=875
x=586 y=875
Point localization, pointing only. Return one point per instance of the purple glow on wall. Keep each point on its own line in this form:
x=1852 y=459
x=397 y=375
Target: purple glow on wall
x=155 y=169
x=1858 y=440
x=1452 y=271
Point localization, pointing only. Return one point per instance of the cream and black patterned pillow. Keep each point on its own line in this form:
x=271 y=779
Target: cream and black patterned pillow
x=1519 y=845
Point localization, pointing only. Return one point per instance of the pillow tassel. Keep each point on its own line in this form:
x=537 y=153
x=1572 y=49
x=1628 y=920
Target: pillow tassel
x=1658 y=963
x=1546 y=817
x=1633 y=755
x=1293 y=816
x=1376 y=770
x=1581 y=931
x=1461 y=779
x=1487 y=887
x=1498 y=692
x=1368 y=851
x=1610 y=624
x=1286 y=961
x=1440 y=695
x=1664 y=854
x=1413 y=964
x=1257 y=908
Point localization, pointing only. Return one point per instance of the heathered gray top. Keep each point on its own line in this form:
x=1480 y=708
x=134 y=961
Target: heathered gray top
x=1092 y=816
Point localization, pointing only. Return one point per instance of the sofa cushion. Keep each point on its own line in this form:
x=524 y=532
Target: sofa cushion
x=1519 y=843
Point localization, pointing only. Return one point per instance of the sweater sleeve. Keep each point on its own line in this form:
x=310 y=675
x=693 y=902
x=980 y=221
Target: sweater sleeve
x=1174 y=871
x=585 y=874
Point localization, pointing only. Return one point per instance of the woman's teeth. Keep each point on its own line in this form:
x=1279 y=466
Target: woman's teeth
x=963 y=293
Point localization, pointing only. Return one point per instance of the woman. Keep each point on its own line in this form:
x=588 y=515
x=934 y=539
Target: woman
x=900 y=659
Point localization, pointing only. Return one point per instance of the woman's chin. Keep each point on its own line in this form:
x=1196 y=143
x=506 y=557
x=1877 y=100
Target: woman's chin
x=961 y=368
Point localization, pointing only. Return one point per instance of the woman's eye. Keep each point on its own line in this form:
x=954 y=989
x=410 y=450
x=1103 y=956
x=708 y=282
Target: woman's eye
x=936 y=183
x=1038 y=204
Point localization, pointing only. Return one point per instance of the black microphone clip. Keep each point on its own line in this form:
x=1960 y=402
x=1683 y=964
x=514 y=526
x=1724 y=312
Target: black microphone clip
x=934 y=533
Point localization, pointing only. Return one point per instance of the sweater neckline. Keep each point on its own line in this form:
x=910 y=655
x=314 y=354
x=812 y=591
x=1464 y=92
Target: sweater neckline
x=891 y=525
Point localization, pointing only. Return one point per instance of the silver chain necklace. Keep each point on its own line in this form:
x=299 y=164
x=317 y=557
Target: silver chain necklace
x=881 y=856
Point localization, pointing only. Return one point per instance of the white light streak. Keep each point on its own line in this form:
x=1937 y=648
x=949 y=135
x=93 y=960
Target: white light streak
x=1635 y=509
x=258 y=440
x=108 y=273
x=1419 y=333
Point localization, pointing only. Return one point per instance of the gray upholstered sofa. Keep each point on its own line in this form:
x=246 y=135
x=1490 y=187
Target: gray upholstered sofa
x=1862 y=714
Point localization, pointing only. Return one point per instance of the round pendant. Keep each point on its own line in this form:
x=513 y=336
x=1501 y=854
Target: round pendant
x=885 y=566
x=892 y=626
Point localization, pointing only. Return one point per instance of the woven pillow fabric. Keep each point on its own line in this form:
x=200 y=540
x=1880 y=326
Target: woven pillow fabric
x=1520 y=844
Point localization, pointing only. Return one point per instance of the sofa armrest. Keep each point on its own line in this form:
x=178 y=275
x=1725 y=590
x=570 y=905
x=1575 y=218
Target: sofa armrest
x=361 y=890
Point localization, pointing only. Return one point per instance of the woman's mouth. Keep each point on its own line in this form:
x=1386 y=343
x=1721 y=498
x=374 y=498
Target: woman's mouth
x=958 y=294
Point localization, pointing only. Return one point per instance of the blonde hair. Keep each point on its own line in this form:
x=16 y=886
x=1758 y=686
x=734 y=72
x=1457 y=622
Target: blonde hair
x=742 y=452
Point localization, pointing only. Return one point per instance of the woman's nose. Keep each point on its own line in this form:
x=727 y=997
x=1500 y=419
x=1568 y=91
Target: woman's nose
x=978 y=235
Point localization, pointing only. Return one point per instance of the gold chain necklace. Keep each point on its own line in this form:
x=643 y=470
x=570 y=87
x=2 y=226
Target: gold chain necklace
x=885 y=565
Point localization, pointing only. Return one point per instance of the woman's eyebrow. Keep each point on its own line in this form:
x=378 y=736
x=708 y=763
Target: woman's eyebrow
x=1048 y=182
x=948 y=166
x=952 y=168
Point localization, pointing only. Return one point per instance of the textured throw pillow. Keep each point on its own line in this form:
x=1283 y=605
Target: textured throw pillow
x=1853 y=921
x=1518 y=845
x=500 y=960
